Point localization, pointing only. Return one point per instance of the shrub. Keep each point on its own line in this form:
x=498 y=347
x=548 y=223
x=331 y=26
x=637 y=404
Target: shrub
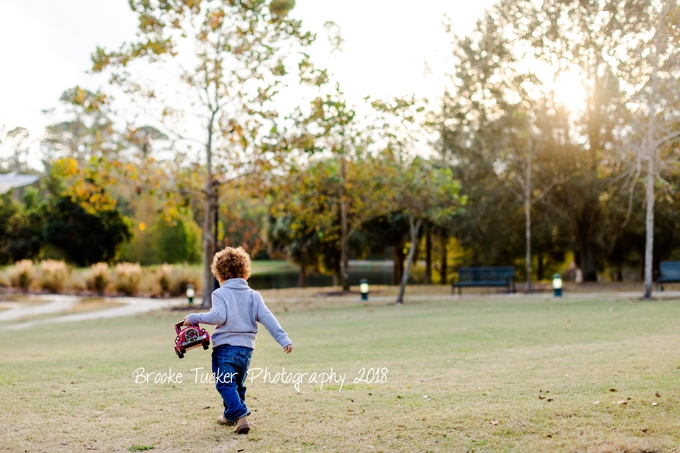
x=4 y=280
x=98 y=278
x=76 y=282
x=164 y=275
x=181 y=277
x=53 y=275
x=128 y=276
x=23 y=274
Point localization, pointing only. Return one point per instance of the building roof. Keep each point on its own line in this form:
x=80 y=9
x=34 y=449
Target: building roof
x=11 y=180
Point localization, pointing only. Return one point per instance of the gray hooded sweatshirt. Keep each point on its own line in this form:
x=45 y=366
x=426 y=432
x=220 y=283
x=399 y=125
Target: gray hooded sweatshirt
x=235 y=310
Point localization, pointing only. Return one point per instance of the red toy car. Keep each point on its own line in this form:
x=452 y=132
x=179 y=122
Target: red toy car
x=190 y=337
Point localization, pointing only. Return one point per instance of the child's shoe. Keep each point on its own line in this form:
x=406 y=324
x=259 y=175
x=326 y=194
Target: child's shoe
x=242 y=425
x=223 y=421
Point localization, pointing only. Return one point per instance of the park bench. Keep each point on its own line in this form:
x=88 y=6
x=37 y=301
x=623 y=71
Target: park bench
x=670 y=273
x=484 y=276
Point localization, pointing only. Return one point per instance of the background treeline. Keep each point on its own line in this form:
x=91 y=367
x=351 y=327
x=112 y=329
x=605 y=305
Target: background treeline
x=503 y=155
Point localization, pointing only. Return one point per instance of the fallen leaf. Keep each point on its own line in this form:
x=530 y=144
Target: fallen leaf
x=550 y=400
x=644 y=430
x=613 y=390
x=494 y=422
x=657 y=395
x=596 y=402
x=541 y=397
x=654 y=403
x=624 y=402
x=549 y=436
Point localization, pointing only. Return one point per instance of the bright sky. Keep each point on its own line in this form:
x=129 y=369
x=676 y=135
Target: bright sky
x=45 y=47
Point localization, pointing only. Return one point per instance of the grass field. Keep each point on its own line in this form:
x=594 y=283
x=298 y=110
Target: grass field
x=486 y=374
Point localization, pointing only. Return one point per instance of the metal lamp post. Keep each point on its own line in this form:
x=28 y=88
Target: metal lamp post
x=363 y=288
x=557 y=285
x=191 y=292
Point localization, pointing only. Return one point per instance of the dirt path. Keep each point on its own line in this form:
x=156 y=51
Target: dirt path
x=133 y=306
x=56 y=304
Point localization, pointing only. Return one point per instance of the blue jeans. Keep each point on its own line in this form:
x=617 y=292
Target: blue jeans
x=230 y=366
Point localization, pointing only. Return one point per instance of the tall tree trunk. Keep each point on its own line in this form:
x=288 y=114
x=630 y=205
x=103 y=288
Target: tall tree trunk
x=208 y=246
x=411 y=251
x=337 y=279
x=428 y=255
x=344 y=239
x=443 y=269
x=586 y=259
x=527 y=215
x=651 y=167
x=216 y=228
x=398 y=263
x=302 y=282
x=589 y=217
x=588 y=266
x=539 y=258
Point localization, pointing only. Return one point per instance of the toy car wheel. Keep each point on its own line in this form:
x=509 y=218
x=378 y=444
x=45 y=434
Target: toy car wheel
x=206 y=345
x=179 y=354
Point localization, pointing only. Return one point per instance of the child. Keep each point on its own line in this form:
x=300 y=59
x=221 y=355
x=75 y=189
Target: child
x=235 y=308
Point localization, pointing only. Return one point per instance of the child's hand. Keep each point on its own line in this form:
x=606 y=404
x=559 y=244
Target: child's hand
x=288 y=349
x=186 y=321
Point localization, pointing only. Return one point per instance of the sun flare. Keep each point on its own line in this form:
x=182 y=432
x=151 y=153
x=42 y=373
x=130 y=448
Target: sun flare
x=569 y=91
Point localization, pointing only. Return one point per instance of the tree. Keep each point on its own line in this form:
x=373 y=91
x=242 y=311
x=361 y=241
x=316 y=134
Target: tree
x=305 y=247
x=307 y=208
x=87 y=132
x=85 y=238
x=528 y=197
x=21 y=226
x=424 y=193
x=654 y=129
x=512 y=63
x=227 y=59
x=333 y=127
x=14 y=145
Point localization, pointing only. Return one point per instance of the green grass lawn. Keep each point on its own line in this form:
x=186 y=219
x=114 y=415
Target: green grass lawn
x=492 y=374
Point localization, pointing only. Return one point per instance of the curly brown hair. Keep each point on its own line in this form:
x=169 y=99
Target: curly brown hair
x=231 y=263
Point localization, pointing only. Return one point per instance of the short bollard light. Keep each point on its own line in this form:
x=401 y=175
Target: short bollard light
x=557 y=285
x=363 y=288
x=190 y=293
